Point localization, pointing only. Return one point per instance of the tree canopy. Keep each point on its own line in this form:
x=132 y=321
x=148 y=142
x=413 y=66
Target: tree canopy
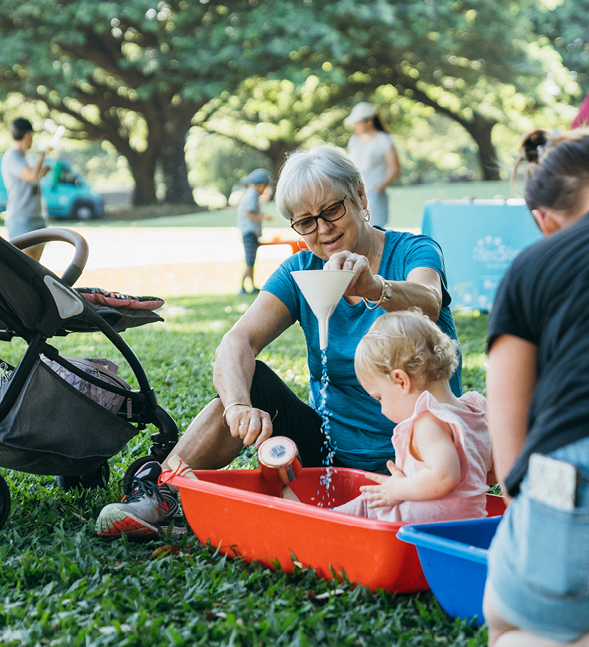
x=132 y=72
x=275 y=75
x=470 y=61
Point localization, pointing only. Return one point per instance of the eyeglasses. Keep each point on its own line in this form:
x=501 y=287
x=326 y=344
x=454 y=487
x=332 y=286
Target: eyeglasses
x=309 y=224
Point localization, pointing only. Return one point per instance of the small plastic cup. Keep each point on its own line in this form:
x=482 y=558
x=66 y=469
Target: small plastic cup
x=279 y=461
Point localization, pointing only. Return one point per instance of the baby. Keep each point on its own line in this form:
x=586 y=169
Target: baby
x=442 y=444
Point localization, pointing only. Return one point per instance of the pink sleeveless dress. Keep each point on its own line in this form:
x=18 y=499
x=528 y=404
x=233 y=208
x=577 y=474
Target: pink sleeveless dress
x=472 y=441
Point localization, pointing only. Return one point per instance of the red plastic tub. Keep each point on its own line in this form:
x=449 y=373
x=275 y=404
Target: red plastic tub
x=239 y=511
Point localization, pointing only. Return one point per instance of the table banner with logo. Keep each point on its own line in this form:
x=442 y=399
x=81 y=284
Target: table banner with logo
x=480 y=239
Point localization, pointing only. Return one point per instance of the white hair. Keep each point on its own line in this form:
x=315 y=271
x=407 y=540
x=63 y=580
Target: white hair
x=315 y=171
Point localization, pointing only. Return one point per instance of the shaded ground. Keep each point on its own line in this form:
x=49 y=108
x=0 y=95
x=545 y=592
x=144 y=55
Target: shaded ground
x=151 y=211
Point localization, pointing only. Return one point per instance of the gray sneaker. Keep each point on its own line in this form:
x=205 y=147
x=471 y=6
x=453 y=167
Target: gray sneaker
x=141 y=512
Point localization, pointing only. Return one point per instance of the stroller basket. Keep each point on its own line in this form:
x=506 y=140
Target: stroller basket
x=55 y=429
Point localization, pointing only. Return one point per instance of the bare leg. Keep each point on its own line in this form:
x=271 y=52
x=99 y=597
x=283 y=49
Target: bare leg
x=504 y=634
x=207 y=443
x=288 y=493
x=34 y=252
x=248 y=274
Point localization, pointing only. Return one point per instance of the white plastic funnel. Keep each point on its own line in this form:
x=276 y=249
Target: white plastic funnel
x=323 y=289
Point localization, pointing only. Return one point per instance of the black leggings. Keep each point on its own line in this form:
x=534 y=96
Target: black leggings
x=291 y=416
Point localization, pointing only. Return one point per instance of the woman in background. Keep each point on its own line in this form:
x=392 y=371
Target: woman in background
x=373 y=150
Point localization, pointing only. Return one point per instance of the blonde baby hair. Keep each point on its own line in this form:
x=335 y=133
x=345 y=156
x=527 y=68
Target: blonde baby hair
x=406 y=340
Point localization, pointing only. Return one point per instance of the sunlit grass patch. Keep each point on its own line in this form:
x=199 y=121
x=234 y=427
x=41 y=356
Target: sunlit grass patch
x=62 y=585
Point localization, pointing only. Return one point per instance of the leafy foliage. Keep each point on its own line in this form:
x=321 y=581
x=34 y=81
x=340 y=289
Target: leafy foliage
x=133 y=72
x=564 y=25
x=474 y=62
x=62 y=585
x=274 y=76
x=219 y=162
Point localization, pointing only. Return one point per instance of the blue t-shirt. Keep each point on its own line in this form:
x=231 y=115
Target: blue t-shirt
x=359 y=432
x=249 y=202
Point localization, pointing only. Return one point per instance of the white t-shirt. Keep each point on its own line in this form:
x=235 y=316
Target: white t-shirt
x=370 y=158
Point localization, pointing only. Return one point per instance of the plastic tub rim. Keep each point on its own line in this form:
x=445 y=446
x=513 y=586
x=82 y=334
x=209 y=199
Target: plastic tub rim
x=415 y=534
x=268 y=500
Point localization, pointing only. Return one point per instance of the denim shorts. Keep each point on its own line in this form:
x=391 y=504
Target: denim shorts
x=539 y=560
x=17 y=227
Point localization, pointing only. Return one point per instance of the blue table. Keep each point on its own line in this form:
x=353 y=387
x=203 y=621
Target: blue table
x=479 y=239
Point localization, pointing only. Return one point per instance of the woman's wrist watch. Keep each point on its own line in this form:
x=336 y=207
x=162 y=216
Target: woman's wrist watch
x=386 y=294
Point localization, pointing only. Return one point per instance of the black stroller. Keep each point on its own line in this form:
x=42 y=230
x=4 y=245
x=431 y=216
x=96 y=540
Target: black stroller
x=46 y=425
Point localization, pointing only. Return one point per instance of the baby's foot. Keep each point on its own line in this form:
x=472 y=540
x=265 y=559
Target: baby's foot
x=287 y=493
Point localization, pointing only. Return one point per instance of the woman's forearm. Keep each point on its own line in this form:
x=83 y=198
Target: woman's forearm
x=511 y=380
x=235 y=358
x=408 y=294
x=235 y=364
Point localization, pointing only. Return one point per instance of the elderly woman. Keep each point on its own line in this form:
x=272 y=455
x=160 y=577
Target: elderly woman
x=538 y=392
x=322 y=195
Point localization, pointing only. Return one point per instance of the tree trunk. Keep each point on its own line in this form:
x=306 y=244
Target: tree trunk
x=173 y=158
x=478 y=127
x=480 y=130
x=277 y=154
x=142 y=168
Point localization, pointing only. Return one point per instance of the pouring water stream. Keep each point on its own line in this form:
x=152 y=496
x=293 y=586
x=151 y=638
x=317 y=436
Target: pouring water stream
x=323 y=290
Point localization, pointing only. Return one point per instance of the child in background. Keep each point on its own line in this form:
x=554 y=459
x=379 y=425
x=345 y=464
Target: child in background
x=249 y=221
x=442 y=444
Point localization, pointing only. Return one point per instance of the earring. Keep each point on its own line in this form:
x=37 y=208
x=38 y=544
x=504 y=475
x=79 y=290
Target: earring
x=299 y=243
x=367 y=215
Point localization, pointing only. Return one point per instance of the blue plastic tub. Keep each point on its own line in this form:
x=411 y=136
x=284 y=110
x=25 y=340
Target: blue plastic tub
x=453 y=555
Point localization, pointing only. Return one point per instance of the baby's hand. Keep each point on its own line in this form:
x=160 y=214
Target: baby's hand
x=382 y=495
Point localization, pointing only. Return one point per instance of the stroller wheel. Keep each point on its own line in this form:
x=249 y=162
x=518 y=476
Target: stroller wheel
x=97 y=479
x=4 y=502
x=135 y=466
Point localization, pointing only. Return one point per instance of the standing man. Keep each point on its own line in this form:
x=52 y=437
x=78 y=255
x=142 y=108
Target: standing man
x=24 y=209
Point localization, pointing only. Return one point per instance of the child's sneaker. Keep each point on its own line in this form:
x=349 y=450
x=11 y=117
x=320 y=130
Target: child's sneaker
x=143 y=510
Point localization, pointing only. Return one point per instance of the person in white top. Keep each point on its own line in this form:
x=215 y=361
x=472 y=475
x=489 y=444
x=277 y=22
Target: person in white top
x=373 y=150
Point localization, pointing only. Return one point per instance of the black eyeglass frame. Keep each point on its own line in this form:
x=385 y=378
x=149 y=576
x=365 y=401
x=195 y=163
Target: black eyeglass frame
x=322 y=216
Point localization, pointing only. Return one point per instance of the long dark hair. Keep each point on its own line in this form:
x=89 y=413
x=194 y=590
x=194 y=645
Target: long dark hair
x=379 y=124
x=558 y=171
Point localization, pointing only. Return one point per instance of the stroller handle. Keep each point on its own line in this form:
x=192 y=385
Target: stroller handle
x=50 y=234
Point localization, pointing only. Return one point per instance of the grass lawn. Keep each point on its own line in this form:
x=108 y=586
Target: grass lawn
x=62 y=585
x=405 y=206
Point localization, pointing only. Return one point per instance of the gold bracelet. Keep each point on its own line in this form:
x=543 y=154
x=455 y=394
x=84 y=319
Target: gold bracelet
x=233 y=404
x=371 y=305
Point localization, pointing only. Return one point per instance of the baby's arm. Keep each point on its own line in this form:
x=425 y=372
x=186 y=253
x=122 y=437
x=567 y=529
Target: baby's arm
x=431 y=443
